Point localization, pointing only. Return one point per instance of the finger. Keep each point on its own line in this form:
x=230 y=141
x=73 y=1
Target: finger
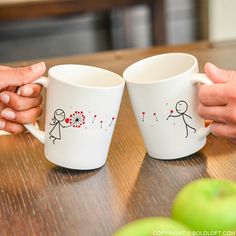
x=21 y=76
x=223 y=130
x=222 y=114
x=2 y=107
x=30 y=90
x=22 y=117
x=4 y=67
x=19 y=103
x=12 y=88
x=218 y=75
x=11 y=127
x=215 y=113
x=213 y=95
x=232 y=140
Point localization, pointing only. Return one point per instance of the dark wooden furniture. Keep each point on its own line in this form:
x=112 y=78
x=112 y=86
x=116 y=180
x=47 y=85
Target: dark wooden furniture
x=31 y=9
x=39 y=198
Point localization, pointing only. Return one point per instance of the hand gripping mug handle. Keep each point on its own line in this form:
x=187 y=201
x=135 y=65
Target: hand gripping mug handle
x=34 y=129
x=202 y=78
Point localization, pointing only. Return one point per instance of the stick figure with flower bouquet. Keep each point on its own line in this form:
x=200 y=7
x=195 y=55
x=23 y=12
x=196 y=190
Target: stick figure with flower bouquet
x=77 y=119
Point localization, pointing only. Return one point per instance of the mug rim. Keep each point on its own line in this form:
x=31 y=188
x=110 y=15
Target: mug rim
x=116 y=76
x=151 y=58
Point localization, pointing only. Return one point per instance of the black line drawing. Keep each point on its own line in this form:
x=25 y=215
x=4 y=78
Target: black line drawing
x=143 y=115
x=112 y=119
x=94 y=117
x=181 y=108
x=155 y=115
x=76 y=120
x=59 y=117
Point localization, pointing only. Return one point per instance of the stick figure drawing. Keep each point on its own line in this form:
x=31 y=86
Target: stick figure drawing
x=59 y=117
x=76 y=120
x=181 y=108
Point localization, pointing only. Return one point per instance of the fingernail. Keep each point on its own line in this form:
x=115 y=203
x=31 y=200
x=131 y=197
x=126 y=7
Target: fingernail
x=27 y=91
x=8 y=114
x=213 y=67
x=38 y=67
x=2 y=124
x=5 y=98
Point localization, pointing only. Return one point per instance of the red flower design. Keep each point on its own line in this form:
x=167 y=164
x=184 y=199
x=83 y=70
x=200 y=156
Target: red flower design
x=94 y=117
x=77 y=119
x=143 y=114
x=112 y=119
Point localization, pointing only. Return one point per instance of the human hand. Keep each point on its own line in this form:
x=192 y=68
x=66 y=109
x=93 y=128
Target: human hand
x=19 y=100
x=217 y=102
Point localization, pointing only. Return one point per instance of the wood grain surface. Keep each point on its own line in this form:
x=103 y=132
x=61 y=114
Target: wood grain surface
x=39 y=198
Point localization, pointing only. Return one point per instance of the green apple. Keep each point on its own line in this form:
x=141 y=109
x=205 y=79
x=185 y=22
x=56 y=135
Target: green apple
x=207 y=206
x=154 y=226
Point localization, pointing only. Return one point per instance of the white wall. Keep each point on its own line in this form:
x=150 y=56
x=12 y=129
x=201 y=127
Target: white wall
x=222 y=20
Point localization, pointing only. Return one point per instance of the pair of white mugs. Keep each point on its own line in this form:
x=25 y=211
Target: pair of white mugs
x=83 y=102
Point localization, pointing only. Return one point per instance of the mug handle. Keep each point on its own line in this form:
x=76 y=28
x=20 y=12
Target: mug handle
x=202 y=78
x=33 y=128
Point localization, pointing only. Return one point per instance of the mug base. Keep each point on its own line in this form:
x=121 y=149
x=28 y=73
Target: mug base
x=74 y=167
x=172 y=156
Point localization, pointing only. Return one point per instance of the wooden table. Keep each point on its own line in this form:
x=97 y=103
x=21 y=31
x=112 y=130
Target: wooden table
x=39 y=198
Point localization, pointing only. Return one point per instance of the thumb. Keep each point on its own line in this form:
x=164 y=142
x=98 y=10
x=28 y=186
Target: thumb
x=218 y=75
x=21 y=76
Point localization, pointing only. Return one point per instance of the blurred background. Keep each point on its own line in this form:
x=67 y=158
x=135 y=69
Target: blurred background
x=34 y=29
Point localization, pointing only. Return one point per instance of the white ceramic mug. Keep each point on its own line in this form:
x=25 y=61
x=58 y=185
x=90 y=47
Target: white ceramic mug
x=82 y=106
x=163 y=94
